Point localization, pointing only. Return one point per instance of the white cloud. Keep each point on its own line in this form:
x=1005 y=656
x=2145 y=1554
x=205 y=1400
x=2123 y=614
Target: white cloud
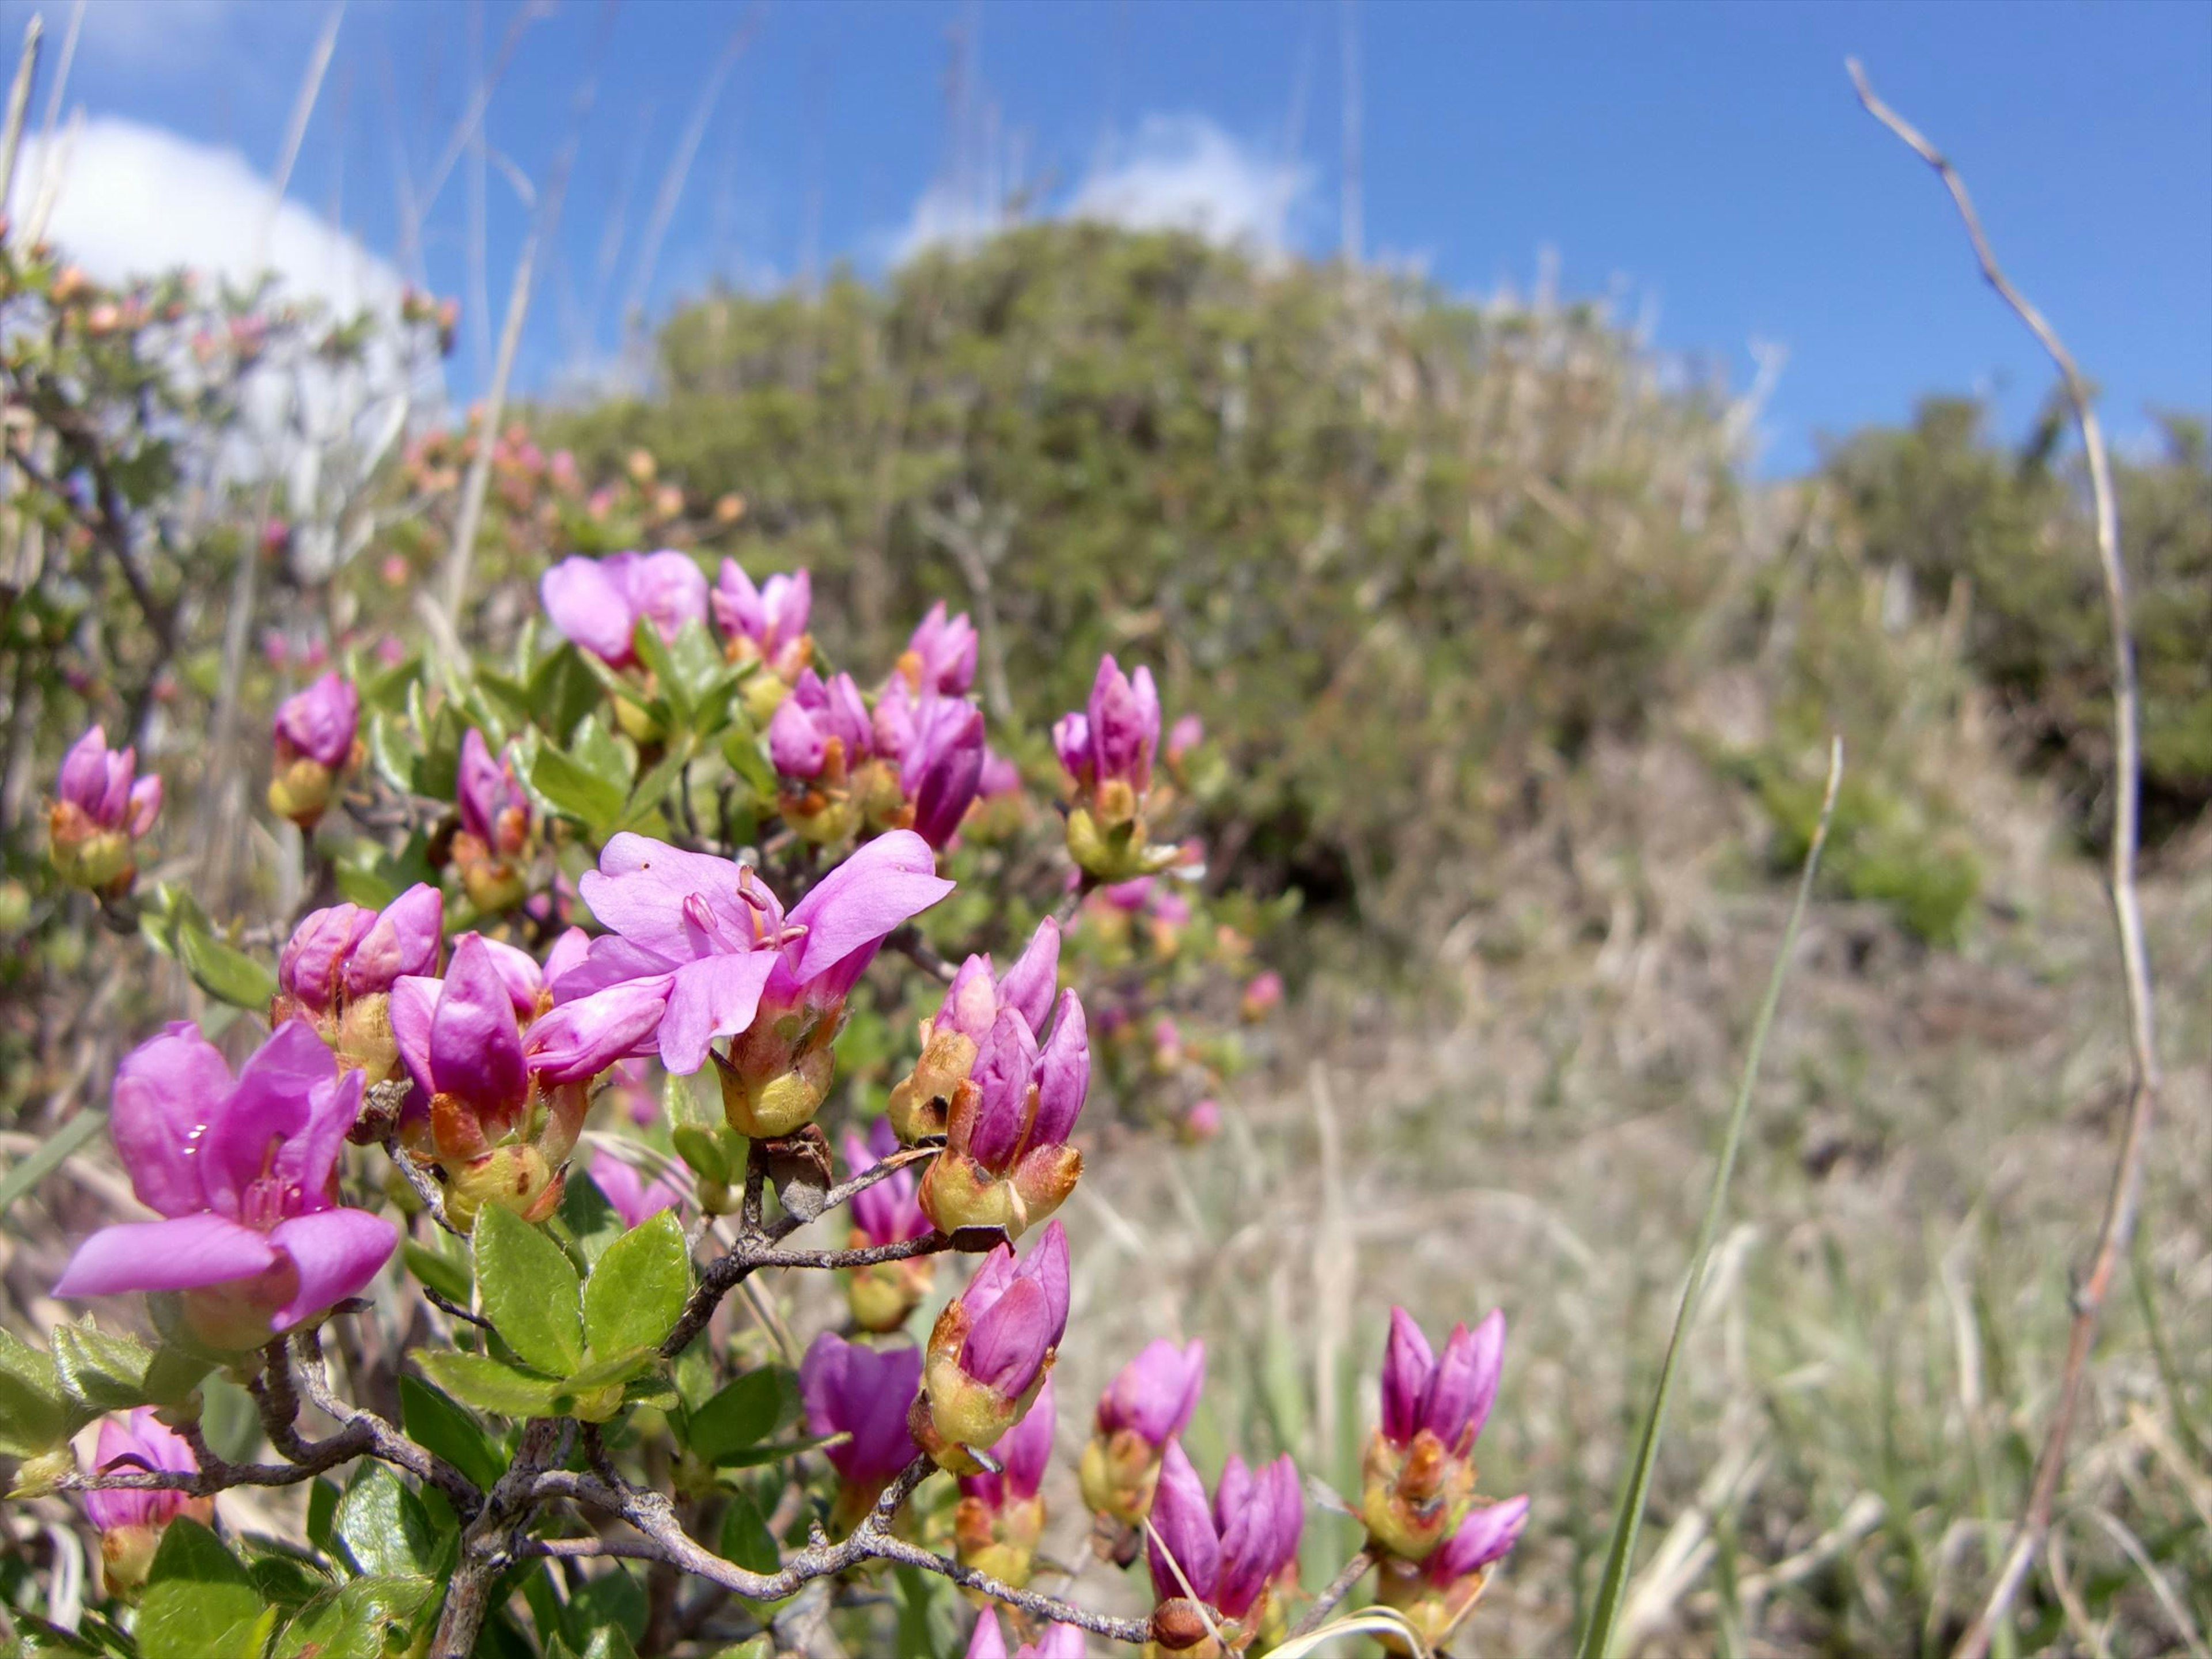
x=1179 y=173
x=134 y=200
x=1184 y=173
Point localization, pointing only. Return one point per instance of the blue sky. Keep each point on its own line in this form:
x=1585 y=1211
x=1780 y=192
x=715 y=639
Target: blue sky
x=1704 y=164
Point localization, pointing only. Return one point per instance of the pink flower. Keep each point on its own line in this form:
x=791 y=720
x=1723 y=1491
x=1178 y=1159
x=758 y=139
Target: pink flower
x=245 y=1172
x=941 y=656
x=598 y=603
x=319 y=723
x=709 y=938
x=820 y=727
x=941 y=766
x=922 y=1103
x=999 y=776
x=346 y=952
x=1154 y=1395
x=990 y=1349
x=768 y=623
x=1006 y=1161
x=1185 y=735
x=987 y=1641
x=100 y=808
x=137 y=1442
x=636 y=1197
x=884 y=1214
x=1451 y=1397
x=863 y=1393
x=493 y=808
x=1486 y=1536
x=1231 y=1550
x=1114 y=739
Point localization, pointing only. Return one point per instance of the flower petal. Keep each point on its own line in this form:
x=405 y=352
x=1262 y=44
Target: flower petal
x=403 y=941
x=589 y=608
x=1407 y=1366
x=892 y=879
x=183 y=1254
x=579 y=1040
x=336 y=1254
x=1030 y=983
x=1182 y=1528
x=167 y=1089
x=1063 y=1074
x=413 y=1006
x=280 y=1120
x=475 y=1052
x=715 y=996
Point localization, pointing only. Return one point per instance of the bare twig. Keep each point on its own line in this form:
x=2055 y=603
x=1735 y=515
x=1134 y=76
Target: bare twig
x=1337 y=1589
x=2117 y=1225
x=727 y=1272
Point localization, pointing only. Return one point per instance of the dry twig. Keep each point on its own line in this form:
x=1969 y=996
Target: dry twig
x=2117 y=1225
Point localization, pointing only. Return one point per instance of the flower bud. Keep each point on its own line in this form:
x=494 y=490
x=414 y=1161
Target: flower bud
x=339 y=966
x=314 y=738
x=100 y=810
x=1148 y=1404
x=862 y=1393
x=765 y=624
x=1436 y=1596
x=1006 y=1161
x=1001 y=1517
x=990 y=1352
x=132 y=1522
x=883 y=1295
x=922 y=1102
x=1230 y=1553
x=1419 y=1476
x=494 y=832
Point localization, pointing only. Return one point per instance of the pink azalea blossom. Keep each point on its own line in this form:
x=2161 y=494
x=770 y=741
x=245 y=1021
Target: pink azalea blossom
x=244 y=1172
x=598 y=603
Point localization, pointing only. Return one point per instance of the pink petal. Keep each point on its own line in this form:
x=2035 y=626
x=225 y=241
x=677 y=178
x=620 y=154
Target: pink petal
x=1184 y=1528
x=579 y=1040
x=475 y=1052
x=166 y=1089
x=891 y=879
x=589 y=608
x=1030 y=983
x=336 y=1254
x=987 y=1641
x=184 y=1254
x=413 y=1006
x=279 y=1119
x=715 y=996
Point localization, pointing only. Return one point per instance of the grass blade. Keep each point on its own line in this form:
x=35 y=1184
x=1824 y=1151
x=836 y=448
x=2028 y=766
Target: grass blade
x=1604 y=1616
x=28 y=1170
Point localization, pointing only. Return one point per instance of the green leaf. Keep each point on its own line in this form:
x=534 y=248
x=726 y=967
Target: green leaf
x=589 y=1222
x=574 y=793
x=757 y=1647
x=636 y=1293
x=200 y=1600
x=651 y=1389
x=774 y=1452
x=283 y=1576
x=744 y=1413
x=529 y=1290
x=506 y=699
x=741 y=747
x=617 y=1367
x=173 y=1375
x=369 y=1619
x=1620 y=1555
x=562 y=691
x=322 y=1510
x=653 y=651
x=225 y=973
x=100 y=1372
x=383 y=1529
x=703 y=1150
x=609 y=1642
x=391 y=754
x=652 y=788
x=442 y=1272
x=34 y=1416
x=27 y=1171
x=443 y=1426
x=596 y=751
x=489 y=1384
x=745 y=1537
x=611 y=1601
x=697 y=663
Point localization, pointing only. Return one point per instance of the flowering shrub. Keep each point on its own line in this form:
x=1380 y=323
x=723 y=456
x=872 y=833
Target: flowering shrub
x=660 y=842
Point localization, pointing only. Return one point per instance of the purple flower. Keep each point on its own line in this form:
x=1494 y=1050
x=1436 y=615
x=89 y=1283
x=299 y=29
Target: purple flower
x=1449 y=1397
x=768 y=623
x=820 y=728
x=1185 y=735
x=1114 y=739
x=97 y=781
x=941 y=655
x=990 y=1349
x=346 y=951
x=98 y=812
x=922 y=1103
x=636 y=1197
x=1006 y=1163
x=506 y=1100
x=863 y=1393
x=1231 y=1551
x=884 y=1214
x=319 y=723
x=137 y=1442
x=599 y=603
x=1153 y=1395
x=708 y=936
x=493 y=808
x=245 y=1172
x=1483 y=1538
x=941 y=765
x=1023 y=1454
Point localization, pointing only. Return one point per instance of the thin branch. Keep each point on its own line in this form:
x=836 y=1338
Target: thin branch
x=725 y=1274
x=1339 y=1587
x=2123 y=1201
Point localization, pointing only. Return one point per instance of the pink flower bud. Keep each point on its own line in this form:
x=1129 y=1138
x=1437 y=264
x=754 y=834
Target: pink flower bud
x=1232 y=1550
x=940 y=657
x=637 y=1198
x=319 y=723
x=1154 y=1395
x=863 y=1393
x=598 y=604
